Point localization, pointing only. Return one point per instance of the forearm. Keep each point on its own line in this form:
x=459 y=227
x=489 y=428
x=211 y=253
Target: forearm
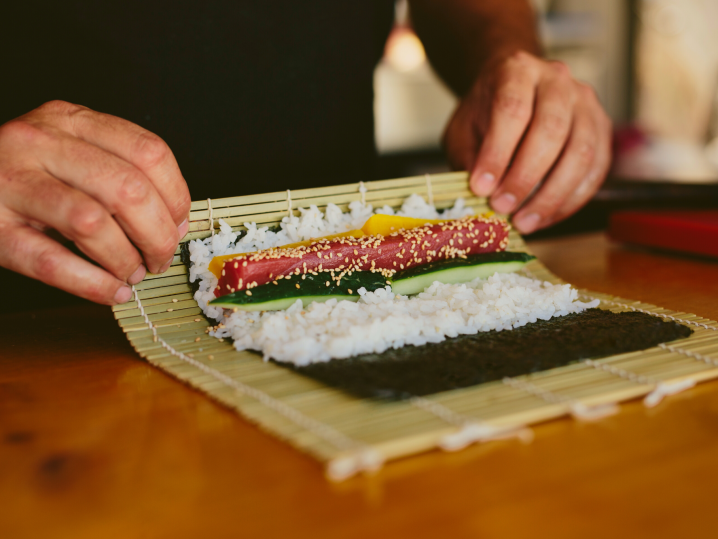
x=462 y=36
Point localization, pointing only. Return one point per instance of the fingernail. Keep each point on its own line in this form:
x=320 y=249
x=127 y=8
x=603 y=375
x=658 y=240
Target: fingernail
x=527 y=223
x=167 y=265
x=138 y=275
x=123 y=295
x=484 y=184
x=505 y=203
x=183 y=228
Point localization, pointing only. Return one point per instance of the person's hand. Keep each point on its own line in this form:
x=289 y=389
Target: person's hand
x=108 y=185
x=533 y=139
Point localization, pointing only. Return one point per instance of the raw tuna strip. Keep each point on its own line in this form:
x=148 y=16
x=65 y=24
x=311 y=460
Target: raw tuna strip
x=376 y=224
x=217 y=263
x=384 y=254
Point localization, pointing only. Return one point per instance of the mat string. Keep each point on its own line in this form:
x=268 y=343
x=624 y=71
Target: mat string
x=577 y=409
x=471 y=429
x=661 y=389
x=429 y=191
x=211 y=216
x=357 y=457
x=289 y=203
x=362 y=192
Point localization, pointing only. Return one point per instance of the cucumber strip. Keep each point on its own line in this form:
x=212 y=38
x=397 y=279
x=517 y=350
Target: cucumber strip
x=282 y=303
x=270 y=297
x=457 y=270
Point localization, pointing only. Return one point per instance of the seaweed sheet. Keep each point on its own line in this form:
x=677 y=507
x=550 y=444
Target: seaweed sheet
x=469 y=360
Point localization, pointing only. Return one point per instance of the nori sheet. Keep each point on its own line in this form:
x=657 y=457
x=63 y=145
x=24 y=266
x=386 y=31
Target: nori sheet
x=468 y=360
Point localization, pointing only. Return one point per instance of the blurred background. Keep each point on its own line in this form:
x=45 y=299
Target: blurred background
x=654 y=65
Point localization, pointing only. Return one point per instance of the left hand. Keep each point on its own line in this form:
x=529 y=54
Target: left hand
x=532 y=138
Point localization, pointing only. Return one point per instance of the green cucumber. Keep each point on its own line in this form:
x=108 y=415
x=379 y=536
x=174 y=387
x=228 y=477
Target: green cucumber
x=457 y=270
x=276 y=297
x=271 y=297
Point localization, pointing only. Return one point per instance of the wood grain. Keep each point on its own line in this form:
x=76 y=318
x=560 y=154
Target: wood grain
x=96 y=443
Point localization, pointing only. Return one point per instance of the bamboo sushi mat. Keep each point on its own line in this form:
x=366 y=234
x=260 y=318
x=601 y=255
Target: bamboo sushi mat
x=166 y=327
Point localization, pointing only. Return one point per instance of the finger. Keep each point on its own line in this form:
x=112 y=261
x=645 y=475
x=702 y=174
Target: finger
x=136 y=145
x=592 y=181
x=38 y=197
x=511 y=111
x=460 y=139
x=544 y=142
x=572 y=168
x=28 y=251
x=121 y=188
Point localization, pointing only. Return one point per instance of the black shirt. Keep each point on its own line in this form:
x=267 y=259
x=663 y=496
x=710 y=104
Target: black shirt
x=251 y=95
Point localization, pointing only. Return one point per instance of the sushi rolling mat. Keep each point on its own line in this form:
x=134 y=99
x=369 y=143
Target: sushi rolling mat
x=166 y=327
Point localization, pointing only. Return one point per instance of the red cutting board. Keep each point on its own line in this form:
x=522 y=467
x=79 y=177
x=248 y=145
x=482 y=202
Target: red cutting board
x=692 y=231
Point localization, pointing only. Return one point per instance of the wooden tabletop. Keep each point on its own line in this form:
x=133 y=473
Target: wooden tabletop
x=96 y=443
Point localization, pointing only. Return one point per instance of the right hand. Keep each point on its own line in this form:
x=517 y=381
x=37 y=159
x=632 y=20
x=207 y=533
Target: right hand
x=102 y=182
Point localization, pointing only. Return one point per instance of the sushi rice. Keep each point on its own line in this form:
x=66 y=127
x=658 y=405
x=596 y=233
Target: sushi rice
x=380 y=319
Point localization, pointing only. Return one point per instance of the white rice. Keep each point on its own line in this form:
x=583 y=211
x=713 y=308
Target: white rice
x=379 y=320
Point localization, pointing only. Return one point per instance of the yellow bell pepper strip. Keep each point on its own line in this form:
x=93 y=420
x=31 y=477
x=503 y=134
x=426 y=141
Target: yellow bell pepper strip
x=384 y=225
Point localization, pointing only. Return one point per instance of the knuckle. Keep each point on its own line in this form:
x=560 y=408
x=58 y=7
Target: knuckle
x=560 y=69
x=520 y=58
x=586 y=151
x=13 y=247
x=134 y=189
x=554 y=124
x=150 y=150
x=589 y=95
x=47 y=264
x=20 y=131
x=59 y=107
x=512 y=105
x=86 y=220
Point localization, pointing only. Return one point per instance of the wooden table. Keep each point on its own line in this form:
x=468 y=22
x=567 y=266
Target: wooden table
x=96 y=443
